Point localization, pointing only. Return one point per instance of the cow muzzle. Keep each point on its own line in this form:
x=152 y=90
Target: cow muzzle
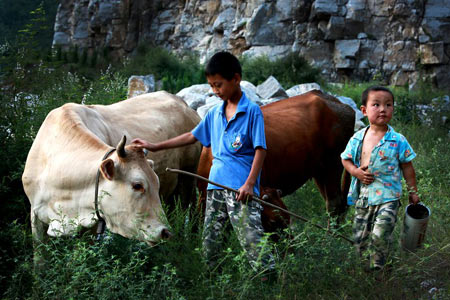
x=159 y=234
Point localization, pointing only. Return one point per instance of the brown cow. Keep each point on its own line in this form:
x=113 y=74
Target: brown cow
x=305 y=135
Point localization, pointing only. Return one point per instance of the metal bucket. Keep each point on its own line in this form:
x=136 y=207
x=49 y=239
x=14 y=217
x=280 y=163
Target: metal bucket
x=414 y=226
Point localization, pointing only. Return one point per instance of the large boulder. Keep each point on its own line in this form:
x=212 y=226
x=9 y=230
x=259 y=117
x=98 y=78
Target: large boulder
x=138 y=85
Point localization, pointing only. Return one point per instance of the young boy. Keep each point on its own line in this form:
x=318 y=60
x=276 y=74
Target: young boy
x=235 y=132
x=376 y=157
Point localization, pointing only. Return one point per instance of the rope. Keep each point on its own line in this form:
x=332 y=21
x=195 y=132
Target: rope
x=101 y=222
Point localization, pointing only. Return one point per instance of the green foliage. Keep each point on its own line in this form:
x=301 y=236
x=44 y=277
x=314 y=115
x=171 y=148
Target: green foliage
x=28 y=17
x=289 y=71
x=405 y=101
x=175 y=73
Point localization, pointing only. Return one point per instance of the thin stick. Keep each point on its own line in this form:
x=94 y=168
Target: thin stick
x=261 y=201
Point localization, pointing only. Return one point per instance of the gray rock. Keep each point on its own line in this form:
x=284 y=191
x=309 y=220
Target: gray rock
x=61 y=39
x=345 y=52
x=437 y=29
x=358 y=114
x=138 y=85
x=335 y=28
x=324 y=8
x=195 y=100
x=433 y=53
x=423 y=38
x=302 y=88
x=248 y=85
x=272 y=52
x=203 y=110
x=271 y=88
x=271 y=100
x=195 y=89
x=437 y=9
x=356 y=10
x=195 y=96
x=251 y=94
x=222 y=22
x=362 y=36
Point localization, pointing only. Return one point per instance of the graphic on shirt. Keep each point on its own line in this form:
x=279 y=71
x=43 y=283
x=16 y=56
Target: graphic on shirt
x=407 y=153
x=237 y=144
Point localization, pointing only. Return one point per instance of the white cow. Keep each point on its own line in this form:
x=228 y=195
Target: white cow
x=60 y=171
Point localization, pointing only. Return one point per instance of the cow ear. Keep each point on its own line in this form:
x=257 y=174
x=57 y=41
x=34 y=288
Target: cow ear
x=151 y=163
x=279 y=192
x=107 y=168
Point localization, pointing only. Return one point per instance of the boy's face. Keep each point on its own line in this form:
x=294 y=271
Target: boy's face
x=225 y=89
x=379 y=108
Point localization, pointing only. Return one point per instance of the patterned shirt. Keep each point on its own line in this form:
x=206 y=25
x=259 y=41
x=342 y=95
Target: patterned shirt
x=385 y=159
x=232 y=142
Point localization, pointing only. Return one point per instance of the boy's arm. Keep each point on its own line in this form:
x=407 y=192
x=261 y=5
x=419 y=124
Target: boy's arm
x=360 y=173
x=246 y=191
x=178 y=141
x=410 y=176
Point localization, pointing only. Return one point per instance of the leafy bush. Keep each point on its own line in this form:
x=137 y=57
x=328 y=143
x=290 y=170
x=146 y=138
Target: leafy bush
x=175 y=72
x=289 y=71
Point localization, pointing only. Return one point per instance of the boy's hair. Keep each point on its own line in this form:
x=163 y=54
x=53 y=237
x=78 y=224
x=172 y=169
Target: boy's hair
x=224 y=64
x=374 y=88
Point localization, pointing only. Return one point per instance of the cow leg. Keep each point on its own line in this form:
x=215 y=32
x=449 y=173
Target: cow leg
x=330 y=188
x=38 y=229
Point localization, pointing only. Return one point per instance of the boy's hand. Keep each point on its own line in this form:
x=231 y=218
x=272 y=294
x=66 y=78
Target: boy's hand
x=414 y=198
x=363 y=175
x=144 y=144
x=245 y=193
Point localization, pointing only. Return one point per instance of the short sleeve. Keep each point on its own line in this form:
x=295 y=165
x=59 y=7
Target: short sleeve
x=406 y=153
x=258 y=134
x=348 y=152
x=202 y=132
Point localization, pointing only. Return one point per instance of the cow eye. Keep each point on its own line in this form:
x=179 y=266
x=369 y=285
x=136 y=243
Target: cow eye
x=138 y=187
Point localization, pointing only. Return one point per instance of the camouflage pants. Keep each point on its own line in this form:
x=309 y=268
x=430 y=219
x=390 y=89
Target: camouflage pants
x=221 y=206
x=372 y=229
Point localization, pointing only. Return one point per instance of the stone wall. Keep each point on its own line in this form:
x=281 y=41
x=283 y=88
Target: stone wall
x=396 y=40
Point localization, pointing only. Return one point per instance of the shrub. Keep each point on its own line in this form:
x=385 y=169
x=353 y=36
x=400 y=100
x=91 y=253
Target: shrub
x=289 y=71
x=176 y=72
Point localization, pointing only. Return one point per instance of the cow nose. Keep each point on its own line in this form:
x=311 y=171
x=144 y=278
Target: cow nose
x=166 y=234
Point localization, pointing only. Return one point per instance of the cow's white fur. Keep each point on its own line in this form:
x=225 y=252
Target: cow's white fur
x=60 y=172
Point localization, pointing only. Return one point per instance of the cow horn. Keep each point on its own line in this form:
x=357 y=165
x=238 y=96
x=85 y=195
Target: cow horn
x=280 y=192
x=265 y=197
x=121 y=147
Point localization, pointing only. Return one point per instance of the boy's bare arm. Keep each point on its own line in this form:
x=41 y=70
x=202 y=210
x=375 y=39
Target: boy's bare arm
x=178 y=141
x=361 y=173
x=247 y=189
x=410 y=176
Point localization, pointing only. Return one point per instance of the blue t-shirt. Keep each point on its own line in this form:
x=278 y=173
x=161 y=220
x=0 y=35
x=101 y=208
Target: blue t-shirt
x=385 y=159
x=232 y=142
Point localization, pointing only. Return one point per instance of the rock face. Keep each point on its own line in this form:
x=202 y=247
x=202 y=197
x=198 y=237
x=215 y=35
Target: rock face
x=397 y=40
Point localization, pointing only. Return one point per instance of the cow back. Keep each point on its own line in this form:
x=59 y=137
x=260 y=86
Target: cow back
x=303 y=134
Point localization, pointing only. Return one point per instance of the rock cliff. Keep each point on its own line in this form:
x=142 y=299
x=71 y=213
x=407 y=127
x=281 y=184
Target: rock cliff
x=395 y=40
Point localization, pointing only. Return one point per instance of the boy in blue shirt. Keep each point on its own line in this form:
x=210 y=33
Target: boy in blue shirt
x=235 y=132
x=376 y=157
